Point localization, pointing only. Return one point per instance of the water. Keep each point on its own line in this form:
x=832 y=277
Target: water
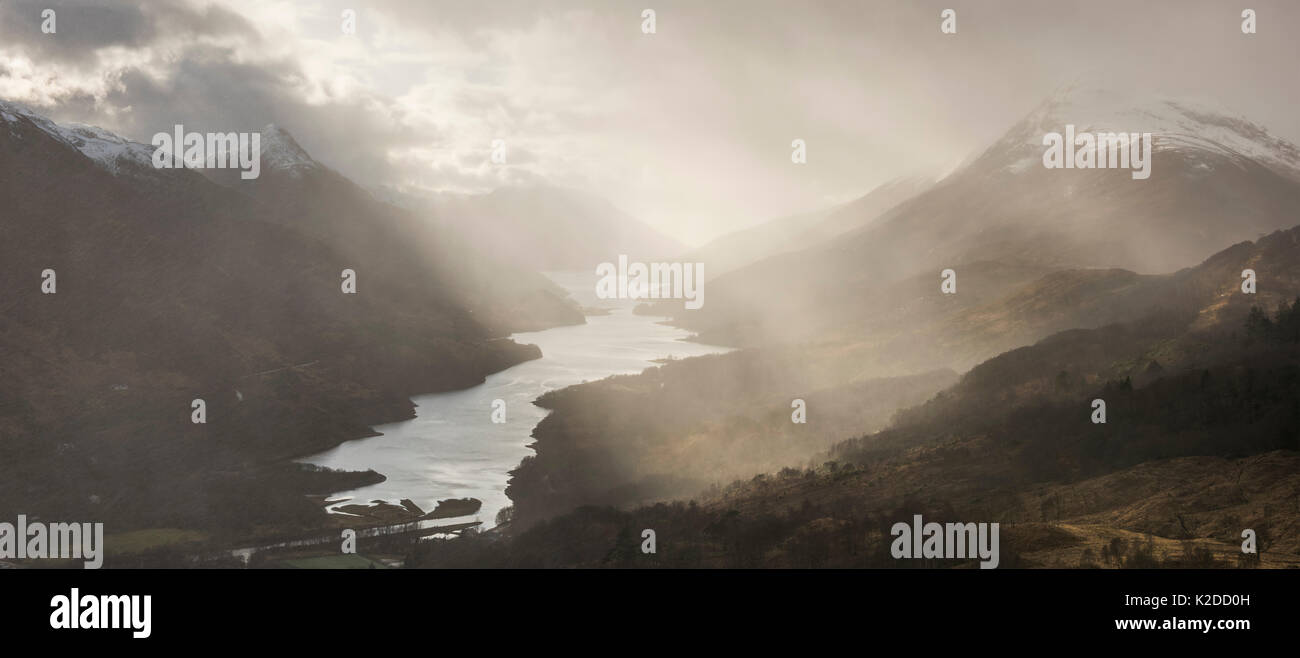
x=452 y=449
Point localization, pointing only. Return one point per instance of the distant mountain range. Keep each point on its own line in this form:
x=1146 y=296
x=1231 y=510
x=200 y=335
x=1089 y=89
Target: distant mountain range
x=802 y=231
x=546 y=228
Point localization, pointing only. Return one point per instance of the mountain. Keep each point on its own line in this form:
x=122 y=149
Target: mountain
x=172 y=287
x=548 y=228
x=1214 y=180
x=108 y=151
x=804 y=230
x=295 y=190
x=282 y=156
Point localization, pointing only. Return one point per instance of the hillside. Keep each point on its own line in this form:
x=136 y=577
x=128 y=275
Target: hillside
x=1127 y=322
x=1194 y=450
x=798 y=232
x=172 y=287
x=1215 y=180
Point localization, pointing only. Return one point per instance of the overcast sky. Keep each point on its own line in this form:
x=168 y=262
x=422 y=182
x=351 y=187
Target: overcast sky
x=688 y=128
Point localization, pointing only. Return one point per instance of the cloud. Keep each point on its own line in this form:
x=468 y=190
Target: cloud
x=688 y=128
x=84 y=27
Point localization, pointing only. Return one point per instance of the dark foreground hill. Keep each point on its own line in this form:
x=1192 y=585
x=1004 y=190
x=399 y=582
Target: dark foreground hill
x=673 y=431
x=1200 y=443
x=1191 y=454
x=172 y=287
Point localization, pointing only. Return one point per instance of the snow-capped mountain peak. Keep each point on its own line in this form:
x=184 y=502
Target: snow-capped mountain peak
x=281 y=152
x=105 y=148
x=108 y=150
x=1175 y=124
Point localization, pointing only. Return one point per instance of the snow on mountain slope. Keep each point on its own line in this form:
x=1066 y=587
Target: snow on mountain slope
x=280 y=152
x=1215 y=180
x=105 y=148
x=109 y=151
x=1174 y=124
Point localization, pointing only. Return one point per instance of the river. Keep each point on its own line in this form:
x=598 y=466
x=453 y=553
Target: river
x=452 y=449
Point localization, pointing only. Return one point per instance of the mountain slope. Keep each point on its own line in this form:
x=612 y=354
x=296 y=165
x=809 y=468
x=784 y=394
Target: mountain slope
x=798 y=232
x=1048 y=343
x=1200 y=441
x=1215 y=180
x=171 y=287
x=550 y=229
x=297 y=191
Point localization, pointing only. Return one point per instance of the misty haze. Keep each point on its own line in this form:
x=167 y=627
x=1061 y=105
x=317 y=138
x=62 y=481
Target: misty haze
x=407 y=284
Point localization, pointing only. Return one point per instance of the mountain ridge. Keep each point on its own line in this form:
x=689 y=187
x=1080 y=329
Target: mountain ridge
x=1196 y=201
x=172 y=287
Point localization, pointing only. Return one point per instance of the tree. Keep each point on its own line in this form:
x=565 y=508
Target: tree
x=505 y=515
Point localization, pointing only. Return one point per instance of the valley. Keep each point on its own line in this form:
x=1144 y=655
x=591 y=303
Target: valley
x=1045 y=321
x=912 y=400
